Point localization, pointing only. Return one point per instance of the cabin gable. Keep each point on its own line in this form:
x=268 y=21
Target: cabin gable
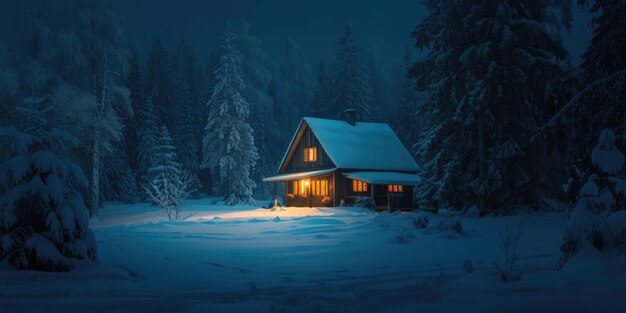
x=296 y=160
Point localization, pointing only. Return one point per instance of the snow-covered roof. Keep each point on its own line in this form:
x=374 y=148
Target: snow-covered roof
x=368 y=146
x=384 y=178
x=299 y=175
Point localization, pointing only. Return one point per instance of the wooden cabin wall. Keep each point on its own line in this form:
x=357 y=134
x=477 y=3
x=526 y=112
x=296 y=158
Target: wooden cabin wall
x=296 y=163
x=344 y=191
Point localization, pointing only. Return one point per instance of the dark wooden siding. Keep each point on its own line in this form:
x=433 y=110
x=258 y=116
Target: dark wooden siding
x=343 y=187
x=296 y=163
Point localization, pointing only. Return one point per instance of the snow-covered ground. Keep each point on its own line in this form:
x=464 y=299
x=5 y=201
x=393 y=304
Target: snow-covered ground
x=245 y=259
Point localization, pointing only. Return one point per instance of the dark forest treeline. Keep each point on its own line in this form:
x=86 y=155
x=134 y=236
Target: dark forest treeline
x=479 y=111
x=75 y=59
x=508 y=119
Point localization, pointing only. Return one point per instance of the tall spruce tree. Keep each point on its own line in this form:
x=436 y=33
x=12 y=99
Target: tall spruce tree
x=187 y=146
x=321 y=105
x=603 y=105
x=257 y=75
x=187 y=98
x=228 y=145
x=379 y=83
x=352 y=87
x=485 y=98
x=159 y=85
x=297 y=79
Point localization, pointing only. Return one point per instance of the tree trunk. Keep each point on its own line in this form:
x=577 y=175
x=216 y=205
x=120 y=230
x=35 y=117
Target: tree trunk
x=95 y=179
x=481 y=167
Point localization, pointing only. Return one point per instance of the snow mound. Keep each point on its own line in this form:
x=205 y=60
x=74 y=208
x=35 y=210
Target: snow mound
x=605 y=154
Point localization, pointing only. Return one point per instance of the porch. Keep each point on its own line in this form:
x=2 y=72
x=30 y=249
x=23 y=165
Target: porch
x=307 y=189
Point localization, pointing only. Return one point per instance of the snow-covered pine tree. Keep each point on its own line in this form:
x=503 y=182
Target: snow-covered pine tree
x=484 y=99
x=80 y=47
x=163 y=161
x=168 y=185
x=599 y=217
x=256 y=75
x=228 y=145
x=352 y=86
x=44 y=222
x=148 y=139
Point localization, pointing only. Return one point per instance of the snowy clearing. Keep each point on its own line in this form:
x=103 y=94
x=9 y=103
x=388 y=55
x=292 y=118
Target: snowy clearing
x=245 y=259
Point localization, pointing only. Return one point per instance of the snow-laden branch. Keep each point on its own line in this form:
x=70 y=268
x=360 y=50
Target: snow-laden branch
x=573 y=101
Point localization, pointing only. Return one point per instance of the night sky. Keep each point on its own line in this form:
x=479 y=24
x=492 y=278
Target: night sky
x=315 y=25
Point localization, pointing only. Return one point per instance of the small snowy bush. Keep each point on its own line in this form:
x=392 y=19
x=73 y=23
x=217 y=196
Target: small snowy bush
x=402 y=236
x=598 y=218
x=454 y=226
x=365 y=202
x=421 y=221
x=169 y=191
x=570 y=246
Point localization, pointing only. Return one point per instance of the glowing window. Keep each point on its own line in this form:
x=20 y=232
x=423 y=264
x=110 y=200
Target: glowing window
x=395 y=188
x=310 y=187
x=359 y=186
x=310 y=154
x=319 y=187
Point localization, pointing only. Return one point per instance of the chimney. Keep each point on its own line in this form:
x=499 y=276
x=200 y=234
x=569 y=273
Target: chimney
x=350 y=116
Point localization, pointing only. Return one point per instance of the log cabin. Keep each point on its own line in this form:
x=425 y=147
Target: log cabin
x=332 y=162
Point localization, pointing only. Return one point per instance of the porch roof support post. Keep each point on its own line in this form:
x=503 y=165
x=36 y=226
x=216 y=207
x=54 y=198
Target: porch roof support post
x=275 y=196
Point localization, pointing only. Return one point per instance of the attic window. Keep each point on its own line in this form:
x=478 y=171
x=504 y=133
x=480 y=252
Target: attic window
x=310 y=154
x=359 y=186
x=394 y=188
